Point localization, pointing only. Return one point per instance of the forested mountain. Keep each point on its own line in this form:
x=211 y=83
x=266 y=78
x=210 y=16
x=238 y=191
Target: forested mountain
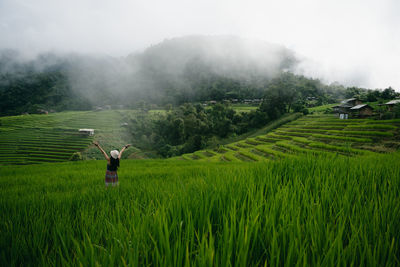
x=176 y=71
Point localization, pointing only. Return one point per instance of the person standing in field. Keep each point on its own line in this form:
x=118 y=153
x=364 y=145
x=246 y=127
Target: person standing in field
x=112 y=164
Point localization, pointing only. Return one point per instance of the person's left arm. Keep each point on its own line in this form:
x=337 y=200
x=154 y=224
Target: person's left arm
x=122 y=150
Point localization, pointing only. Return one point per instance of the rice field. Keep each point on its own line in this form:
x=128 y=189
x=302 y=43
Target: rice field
x=315 y=135
x=30 y=139
x=299 y=211
x=291 y=196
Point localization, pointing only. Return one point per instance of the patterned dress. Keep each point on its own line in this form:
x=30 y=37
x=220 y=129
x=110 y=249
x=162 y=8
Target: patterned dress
x=111 y=176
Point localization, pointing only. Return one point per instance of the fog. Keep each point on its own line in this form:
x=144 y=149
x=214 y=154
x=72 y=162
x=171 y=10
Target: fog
x=353 y=42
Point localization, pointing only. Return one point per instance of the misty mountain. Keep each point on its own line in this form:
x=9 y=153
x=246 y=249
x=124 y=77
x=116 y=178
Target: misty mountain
x=186 y=69
x=203 y=68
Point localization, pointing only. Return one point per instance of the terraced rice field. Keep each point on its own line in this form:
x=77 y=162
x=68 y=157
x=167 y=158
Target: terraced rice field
x=29 y=139
x=312 y=134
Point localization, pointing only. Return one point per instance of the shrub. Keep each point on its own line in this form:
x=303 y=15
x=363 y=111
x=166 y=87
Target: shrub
x=305 y=111
x=76 y=156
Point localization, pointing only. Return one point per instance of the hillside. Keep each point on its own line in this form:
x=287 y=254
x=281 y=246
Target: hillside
x=29 y=139
x=175 y=71
x=312 y=134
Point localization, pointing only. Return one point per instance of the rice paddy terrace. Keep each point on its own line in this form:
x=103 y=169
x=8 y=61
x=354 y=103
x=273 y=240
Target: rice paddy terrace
x=29 y=139
x=313 y=134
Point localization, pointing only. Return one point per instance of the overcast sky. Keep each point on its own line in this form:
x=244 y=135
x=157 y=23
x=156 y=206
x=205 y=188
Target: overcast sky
x=354 y=42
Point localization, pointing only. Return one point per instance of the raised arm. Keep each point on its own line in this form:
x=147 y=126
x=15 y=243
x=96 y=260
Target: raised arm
x=102 y=151
x=122 y=150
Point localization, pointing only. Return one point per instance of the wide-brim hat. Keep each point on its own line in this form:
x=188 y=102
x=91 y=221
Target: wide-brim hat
x=114 y=154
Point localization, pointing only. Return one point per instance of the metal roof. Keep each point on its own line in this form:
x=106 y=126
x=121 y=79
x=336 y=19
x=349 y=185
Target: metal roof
x=346 y=106
x=360 y=106
x=348 y=100
x=393 y=102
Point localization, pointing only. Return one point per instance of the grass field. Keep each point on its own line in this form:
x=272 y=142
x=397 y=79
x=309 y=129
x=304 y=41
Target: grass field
x=321 y=134
x=29 y=139
x=303 y=190
x=324 y=211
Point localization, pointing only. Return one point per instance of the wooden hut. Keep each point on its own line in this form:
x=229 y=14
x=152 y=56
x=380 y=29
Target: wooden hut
x=344 y=109
x=89 y=132
x=362 y=110
x=392 y=103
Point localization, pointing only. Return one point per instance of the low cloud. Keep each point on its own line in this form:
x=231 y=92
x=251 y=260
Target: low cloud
x=353 y=42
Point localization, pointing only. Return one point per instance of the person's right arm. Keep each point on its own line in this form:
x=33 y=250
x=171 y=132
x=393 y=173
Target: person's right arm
x=102 y=151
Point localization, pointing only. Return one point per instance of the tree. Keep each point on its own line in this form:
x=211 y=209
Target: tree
x=388 y=93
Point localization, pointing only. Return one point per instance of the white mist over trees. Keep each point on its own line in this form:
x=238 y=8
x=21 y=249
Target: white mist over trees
x=193 y=68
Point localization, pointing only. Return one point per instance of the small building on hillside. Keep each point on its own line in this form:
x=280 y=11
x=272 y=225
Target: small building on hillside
x=89 y=132
x=392 y=103
x=344 y=109
x=363 y=110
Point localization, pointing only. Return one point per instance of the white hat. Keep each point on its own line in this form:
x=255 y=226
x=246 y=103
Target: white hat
x=114 y=154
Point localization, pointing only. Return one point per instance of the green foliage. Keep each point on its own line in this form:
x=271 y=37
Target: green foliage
x=292 y=92
x=76 y=156
x=191 y=127
x=367 y=95
x=37 y=92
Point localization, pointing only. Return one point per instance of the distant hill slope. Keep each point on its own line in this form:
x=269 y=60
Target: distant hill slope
x=178 y=70
x=30 y=139
x=311 y=135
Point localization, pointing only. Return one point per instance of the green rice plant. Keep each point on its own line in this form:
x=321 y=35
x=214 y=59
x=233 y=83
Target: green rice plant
x=313 y=126
x=368 y=133
x=186 y=157
x=309 y=210
x=296 y=149
x=347 y=149
x=243 y=144
x=283 y=134
x=229 y=156
x=342 y=138
x=253 y=141
x=301 y=140
x=221 y=149
x=373 y=126
x=383 y=121
x=292 y=134
x=278 y=136
x=304 y=130
x=232 y=147
x=267 y=139
x=199 y=154
x=250 y=155
x=269 y=151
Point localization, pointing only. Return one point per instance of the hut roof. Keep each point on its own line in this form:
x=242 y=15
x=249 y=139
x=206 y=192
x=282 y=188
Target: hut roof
x=358 y=107
x=393 y=102
x=346 y=106
x=348 y=100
